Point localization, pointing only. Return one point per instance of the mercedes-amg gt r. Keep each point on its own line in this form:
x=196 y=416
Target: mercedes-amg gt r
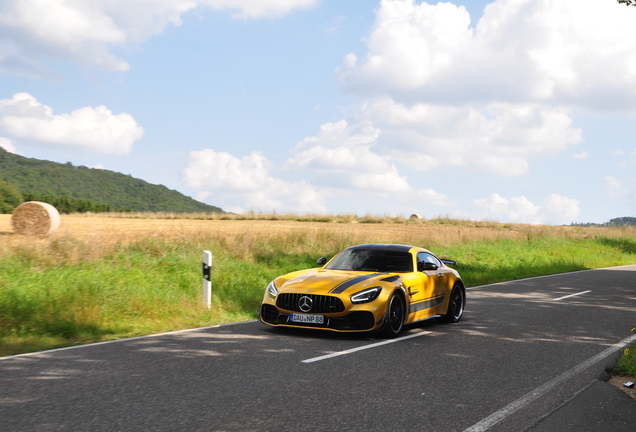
x=367 y=288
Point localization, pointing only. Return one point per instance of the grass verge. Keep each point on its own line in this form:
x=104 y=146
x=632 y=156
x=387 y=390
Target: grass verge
x=626 y=365
x=625 y=370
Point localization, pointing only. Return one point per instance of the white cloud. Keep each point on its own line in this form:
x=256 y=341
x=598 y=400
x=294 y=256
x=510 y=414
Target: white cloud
x=260 y=8
x=547 y=51
x=582 y=155
x=342 y=154
x=95 y=129
x=209 y=169
x=517 y=209
x=556 y=209
x=409 y=45
x=497 y=138
x=6 y=144
x=440 y=93
x=428 y=196
x=614 y=187
x=343 y=157
x=84 y=31
x=243 y=184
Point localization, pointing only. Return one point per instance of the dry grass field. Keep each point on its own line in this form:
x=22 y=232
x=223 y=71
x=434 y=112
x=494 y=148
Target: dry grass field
x=86 y=237
x=108 y=230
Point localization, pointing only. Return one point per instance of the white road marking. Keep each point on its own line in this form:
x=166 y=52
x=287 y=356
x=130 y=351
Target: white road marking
x=496 y=417
x=572 y=295
x=90 y=345
x=352 y=350
x=630 y=267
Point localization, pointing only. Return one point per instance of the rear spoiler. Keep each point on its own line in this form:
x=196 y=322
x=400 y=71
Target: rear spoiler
x=449 y=262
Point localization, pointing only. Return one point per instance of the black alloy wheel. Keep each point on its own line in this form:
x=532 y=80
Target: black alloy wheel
x=395 y=316
x=456 y=305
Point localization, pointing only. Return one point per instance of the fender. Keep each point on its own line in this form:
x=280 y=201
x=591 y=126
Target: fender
x=401 y=289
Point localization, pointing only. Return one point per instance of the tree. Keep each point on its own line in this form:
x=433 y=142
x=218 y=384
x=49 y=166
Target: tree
x=10 y=197
x=627 y=2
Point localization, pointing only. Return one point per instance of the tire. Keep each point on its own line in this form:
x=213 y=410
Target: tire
x=456 y=305
x=395 y=312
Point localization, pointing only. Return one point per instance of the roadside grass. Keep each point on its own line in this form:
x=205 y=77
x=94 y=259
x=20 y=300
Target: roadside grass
x=626 y=365
x=65 y=290
x=625 y=370
x=482 y=263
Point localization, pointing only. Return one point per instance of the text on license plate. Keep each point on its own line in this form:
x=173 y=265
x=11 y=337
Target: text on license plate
x=304 y=318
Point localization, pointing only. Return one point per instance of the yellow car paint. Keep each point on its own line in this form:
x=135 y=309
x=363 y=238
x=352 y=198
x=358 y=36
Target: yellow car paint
x=325 y=296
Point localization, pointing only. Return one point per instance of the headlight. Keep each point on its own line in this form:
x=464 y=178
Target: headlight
x=271 y=290
x=367 y=295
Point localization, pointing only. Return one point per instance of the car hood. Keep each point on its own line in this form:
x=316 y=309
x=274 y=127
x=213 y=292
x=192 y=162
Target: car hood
x=320 y=281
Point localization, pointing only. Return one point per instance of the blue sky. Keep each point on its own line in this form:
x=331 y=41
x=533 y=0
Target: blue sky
x=512 y=110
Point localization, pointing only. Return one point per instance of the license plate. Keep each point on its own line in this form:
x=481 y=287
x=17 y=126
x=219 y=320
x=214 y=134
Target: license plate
x=304 y=318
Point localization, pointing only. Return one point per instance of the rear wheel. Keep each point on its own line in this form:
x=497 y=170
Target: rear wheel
x=456 y=305
x=394 y=316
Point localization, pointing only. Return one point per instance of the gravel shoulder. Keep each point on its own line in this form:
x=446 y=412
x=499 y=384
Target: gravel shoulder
x=618 y=381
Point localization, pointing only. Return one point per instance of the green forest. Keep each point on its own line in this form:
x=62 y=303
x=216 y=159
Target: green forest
x=74 y=189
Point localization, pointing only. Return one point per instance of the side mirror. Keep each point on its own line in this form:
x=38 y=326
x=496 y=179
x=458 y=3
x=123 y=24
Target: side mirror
x=425 y=266
x=321 y=261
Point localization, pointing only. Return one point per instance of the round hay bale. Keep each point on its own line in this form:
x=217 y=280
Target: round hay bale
x=35 y=218
x=415 y=217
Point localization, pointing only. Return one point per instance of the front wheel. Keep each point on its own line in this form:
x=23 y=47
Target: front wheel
x=456 y=305
x=394 y=316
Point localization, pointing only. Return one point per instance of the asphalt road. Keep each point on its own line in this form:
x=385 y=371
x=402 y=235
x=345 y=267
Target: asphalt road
x=522 y=349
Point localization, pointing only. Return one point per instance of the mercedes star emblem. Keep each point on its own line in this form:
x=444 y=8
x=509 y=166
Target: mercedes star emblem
x=304 y=303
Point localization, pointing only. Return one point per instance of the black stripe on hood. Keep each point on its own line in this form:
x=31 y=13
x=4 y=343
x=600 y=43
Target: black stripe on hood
x=347 y=284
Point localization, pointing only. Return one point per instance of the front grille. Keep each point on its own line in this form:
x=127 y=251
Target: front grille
x=319 y=304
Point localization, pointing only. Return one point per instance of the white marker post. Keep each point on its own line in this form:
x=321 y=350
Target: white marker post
x=207 y=282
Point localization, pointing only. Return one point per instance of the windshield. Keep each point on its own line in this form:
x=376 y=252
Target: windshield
x=377 y=260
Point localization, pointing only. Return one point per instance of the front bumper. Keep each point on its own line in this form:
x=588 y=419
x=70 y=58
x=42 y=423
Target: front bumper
x=353 y=321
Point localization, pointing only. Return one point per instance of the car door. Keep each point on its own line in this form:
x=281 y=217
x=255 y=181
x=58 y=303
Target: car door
x=433 y=268
x=421 y=290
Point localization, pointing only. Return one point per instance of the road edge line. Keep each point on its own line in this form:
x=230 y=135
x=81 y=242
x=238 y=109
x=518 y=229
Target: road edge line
x=526 y=399
x=548 y=275
x=92 y=344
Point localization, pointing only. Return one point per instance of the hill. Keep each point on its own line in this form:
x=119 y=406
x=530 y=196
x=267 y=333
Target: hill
x=34 y=179
x=625 y=221
x=622 y=221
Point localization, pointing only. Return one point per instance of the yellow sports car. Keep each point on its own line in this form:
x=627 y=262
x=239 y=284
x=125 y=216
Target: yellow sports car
x=367 y=288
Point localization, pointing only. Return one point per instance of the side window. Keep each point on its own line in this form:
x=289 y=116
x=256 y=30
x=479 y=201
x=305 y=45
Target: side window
x=424 y=257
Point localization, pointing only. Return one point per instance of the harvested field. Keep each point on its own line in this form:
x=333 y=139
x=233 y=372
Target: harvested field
x=121 y=230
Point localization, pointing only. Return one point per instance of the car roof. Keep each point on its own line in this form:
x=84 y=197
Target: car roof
x=387 y=247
